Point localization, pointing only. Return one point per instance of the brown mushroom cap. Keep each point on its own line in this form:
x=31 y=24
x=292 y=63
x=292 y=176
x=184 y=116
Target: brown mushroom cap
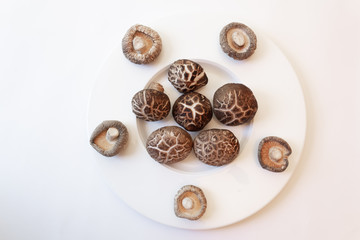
x=216 y=147
x=190 y=203
x=151 y=104
x=109 y=138
x=273 y=153
x=238 y=41
x=192 y=111
x=186 y=75
x=169 y=144
x=141 y=44
x=234 y=104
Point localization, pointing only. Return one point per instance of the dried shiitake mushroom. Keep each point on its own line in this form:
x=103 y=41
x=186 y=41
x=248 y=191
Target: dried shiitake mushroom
x=151 y=104
x=169 y=144
x=273 y=153
x=234 y=104
x=190 y=203
x=109 y=138
x=238 y=41
x=216 y=147
x=186 y=75
x=141 y=44
x=192 y=111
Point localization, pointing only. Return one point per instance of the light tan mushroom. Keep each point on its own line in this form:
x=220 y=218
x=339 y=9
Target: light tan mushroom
x=109 y=138
x=141 y=44
x=190 y=203
x=238 y=41
x=273 y=153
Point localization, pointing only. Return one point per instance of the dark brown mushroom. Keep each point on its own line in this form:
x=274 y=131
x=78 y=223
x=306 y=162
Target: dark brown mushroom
x=151 y=104
x=190 y=203
x=141 y=44
x=109 y=138
x=234 y=104
x=238 y=41
x=192 y=111
x=273 y=153
x=169 y=144
x=216 y=147
x=186 y=75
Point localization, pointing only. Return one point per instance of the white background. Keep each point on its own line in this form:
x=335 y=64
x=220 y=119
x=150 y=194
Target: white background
x=50 y=53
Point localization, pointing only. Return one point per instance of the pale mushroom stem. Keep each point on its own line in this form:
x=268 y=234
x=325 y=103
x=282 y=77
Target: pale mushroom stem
x=187 y=203
x=112 y=134
x=238 y=38
x=156 y=86
x=275 y=154
x=138 y=44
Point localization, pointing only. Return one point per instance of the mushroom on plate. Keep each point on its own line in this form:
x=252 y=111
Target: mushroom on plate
x=151 y=104
x=192 y=111
x=169 y=144
x=186 y=75
x=216 y=147
x=273 y=153
x=141 y=44
x=190 y=203
x=109 y=137
x=234 y=104
x=238 y=41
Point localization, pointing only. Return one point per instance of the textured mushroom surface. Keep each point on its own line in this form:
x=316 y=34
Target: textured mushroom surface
x=186 y=75
x=273 y=153
x=141 y=44
x=190 y=203
x=169 y=144
x=234 y=104
x=216 y=147
x=109 y=138
x=151 y=104
x=192 y=111
x=238 y=41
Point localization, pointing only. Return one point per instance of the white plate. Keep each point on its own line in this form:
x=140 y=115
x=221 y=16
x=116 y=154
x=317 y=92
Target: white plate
x=234 y=191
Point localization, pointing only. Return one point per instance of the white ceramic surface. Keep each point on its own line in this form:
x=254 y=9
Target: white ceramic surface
x=234 y=191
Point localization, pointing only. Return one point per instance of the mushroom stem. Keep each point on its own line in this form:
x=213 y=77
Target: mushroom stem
x=238 y=38
x=112 y=134
x=275 y=154
x=138 y=44
x=156 y=86
x=187 y=203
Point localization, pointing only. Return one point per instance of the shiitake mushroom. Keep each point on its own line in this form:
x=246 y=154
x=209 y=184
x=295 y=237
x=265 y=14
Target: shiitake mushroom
x=190 y=202
x=141 y=44
x=234 y=104
x=151 y=104
x=216 y=147
x=273 y=153
x=238 y=40
x=109 y=137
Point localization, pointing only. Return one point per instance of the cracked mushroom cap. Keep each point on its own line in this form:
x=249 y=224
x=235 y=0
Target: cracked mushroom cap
x=216 y=147
x=109 y=138
x=169 y=144
x=151 y=104
x=192 y=111
x=238 y=41
x=234 y=104
x=186 y=75
x=141 y=44
x=273 y=153
x=190 y=203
